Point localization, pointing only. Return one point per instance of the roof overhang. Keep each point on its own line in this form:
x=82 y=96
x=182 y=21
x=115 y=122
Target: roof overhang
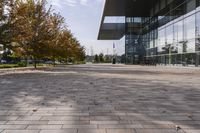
x=114 y=8
x=111 y=31
x=118 y=8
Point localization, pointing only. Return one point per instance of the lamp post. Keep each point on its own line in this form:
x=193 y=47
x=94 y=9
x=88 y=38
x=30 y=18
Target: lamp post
x=114 y=54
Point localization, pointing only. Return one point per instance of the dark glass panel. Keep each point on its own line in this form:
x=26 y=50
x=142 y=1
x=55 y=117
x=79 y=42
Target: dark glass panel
x=190 y=5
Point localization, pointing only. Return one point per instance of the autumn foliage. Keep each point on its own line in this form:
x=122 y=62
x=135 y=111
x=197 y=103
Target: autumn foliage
x=34 y=31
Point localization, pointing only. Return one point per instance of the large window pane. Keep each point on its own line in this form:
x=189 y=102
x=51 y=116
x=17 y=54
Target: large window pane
x=189 y=25
x=151 y=40
x=191 y=46
x=155 y=38
x=189 y=34
x=169 y=34
x=180 y=31
x=178 y=36
x=161 y=40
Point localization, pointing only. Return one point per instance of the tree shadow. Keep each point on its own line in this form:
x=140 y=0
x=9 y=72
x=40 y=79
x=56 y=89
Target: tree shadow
x=79 y=96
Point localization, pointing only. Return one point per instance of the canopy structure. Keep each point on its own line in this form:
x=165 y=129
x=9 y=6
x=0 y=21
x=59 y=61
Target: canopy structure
x=111 y=31
x=118 y=8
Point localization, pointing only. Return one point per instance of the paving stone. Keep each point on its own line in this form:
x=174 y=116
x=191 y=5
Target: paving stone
x=91 y=131
x=13 y=127
x=69 y=122
x=59 y=118
x=190 y=126
x=2 y=122
x=27 y=122
x=158 y=131
x=156 y=126
x=59 y=131
x=104 y=118
x=100 y=98
x=29 y=118
x=21 y=131
x=46 y=109
x=7 y=118
x=47 y=127
x=70 y=114
x=104 y=122
x=192 y=131
x=121 y=131
x=192 y=122
x=80 y=126
x=176 y=118
x=109 y=126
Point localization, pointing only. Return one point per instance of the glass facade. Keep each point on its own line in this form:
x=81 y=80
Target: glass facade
x=170 y=35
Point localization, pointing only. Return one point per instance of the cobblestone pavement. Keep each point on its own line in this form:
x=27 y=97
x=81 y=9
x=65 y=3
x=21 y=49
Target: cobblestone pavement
x=100 y=99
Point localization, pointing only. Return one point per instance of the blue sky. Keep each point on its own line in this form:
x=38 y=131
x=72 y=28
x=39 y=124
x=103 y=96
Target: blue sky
x=83 y=18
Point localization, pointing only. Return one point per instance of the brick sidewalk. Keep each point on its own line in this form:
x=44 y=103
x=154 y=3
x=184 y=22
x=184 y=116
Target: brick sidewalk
x=100 y=99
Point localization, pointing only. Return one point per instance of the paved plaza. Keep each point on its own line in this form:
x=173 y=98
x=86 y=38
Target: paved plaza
x=100 y=99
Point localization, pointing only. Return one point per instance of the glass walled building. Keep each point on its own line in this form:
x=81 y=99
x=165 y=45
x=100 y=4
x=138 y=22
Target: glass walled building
x=156 y=31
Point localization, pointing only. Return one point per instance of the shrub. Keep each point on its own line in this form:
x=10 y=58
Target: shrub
x=21 y=64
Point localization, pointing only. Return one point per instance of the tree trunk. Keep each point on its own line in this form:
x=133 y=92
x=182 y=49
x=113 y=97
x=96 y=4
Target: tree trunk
x=35 y=63
x=26 y=60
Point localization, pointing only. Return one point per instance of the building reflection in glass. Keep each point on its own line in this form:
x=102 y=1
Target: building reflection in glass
x=171 y=35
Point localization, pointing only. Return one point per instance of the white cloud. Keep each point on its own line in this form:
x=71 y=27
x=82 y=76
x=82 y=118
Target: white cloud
x=84 y=2
x=71 y=3
x=56 y=3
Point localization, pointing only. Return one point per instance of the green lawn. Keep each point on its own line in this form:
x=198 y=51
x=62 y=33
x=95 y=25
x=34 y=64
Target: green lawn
x=2 y=66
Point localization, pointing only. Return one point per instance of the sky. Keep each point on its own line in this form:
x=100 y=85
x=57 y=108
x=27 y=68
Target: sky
x=83 y=18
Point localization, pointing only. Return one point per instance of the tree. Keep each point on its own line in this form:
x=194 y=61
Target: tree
x=107 y=59
x=30 y=26
x=5 y=33
x=37 y=33
x=55 y=43
x=101 y=58
x=96 y=58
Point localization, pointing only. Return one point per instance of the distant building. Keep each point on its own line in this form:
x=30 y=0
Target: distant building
x=156 y=31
